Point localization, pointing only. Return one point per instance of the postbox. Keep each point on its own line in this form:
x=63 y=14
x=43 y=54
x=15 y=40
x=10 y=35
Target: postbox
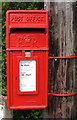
x=27 y=59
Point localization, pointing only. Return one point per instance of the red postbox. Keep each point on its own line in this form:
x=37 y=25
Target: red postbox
x=27 y=59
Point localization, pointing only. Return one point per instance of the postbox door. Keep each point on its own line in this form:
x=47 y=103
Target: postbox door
x=31 y=98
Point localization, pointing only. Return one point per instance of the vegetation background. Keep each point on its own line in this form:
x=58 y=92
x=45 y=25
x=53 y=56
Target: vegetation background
x=18 y=114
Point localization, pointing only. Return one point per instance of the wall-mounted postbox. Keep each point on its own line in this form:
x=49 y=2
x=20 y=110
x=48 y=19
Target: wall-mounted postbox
x=27 y=59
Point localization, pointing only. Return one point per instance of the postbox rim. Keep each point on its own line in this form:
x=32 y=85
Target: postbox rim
x=24 y=11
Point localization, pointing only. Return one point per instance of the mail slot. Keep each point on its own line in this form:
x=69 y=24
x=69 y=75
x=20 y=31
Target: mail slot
x=27 y=59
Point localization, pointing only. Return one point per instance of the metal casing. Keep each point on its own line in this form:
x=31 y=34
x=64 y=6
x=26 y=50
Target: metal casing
x=27 y=31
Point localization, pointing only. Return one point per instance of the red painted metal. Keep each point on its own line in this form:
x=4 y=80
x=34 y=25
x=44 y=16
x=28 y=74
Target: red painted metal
x=62 y=95
x=62 y=57
x=27 y=31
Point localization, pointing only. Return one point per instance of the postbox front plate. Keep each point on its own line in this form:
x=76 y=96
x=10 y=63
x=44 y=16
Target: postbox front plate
x=27 y=59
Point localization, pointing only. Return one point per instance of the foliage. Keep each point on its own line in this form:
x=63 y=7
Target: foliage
x=18 y=114
x=27 y=114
